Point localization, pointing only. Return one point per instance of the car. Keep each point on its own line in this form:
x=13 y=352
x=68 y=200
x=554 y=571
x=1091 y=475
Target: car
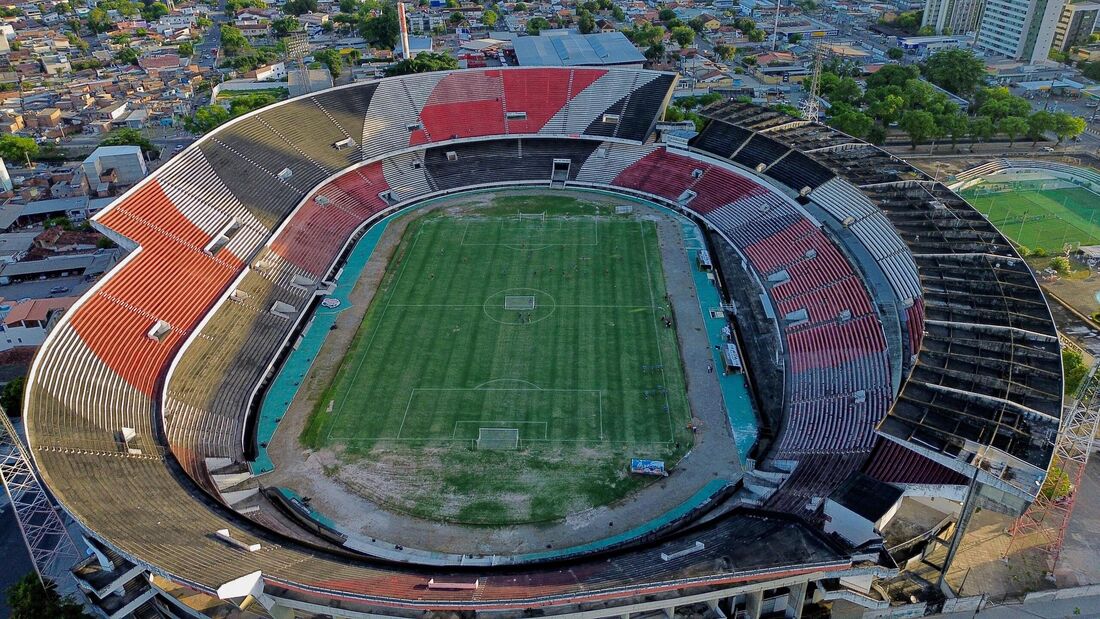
x=177 y=148
x=1047 y=149
x=59 y=289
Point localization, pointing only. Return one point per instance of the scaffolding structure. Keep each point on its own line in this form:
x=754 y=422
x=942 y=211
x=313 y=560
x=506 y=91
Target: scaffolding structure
x=810 y=105
x=51 y=548
x=1048 y=517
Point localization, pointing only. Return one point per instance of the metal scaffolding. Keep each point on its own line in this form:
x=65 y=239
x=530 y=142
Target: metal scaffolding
x=1048 y=517
x=44 y=532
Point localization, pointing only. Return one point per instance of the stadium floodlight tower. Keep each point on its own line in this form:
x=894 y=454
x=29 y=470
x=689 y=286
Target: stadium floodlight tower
x=51 y=548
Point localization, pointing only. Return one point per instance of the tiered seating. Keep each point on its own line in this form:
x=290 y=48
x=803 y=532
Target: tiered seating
x=606 y=95
x=610 y=160
x=406 y=176
x=315 y=141
x=760 y=149
x=662 y=174
x=914 y=324
x=261 y=191
x=894 y=464
x=538 y=93
x=522 y=160
x=720 y=139
x=255 y=141
x=347 y=108
x=463 y=105
x=798 y=171
x=635 y=123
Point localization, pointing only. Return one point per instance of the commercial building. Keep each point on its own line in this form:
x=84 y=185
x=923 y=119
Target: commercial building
x=1019 y=29
x=126 y=162
x=1076 y=25
x=610 y=49
x=953 y=16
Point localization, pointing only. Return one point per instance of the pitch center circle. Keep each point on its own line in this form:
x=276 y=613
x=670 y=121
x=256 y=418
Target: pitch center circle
x=519 y=306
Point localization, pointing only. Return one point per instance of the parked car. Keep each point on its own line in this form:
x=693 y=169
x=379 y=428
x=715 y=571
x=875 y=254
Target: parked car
x=59 y=289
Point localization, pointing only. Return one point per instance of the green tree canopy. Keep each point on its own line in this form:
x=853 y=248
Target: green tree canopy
x=233 y=40
x=29 y=599
x=1066 y=125
x=853 y=122
x=683 y=35
x=424 y=62
x=919 y=125
x=666 y=15
x=285 y=25
x=11 y=398
x=893 y=75
x=955 y=70
x=536 y=25
x=129 y=137
x=1037 y=125
x=1013 y=127
x=895 y=53
x=16 y=148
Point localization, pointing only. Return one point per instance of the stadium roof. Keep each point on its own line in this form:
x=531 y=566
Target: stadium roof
x=577 y=50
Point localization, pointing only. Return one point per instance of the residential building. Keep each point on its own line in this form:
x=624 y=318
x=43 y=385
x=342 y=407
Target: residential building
x=126 y=163
x=26 y=322
x=953 y=16
x=1021 y=30
x=1076 y=25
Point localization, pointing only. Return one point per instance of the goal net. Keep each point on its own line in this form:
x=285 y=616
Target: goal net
x=498 y=438
x=519 y=302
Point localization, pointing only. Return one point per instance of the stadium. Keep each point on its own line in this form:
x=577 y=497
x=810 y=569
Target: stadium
x=887 y=338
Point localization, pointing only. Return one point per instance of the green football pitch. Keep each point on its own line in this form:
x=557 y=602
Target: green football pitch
x=1049 y=219
x=511 y=363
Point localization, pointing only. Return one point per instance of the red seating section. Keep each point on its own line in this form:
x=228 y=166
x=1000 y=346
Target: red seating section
x=464 y=105
x=308 y=240
x=169 y=279
x=540 y=93
x=915 y=319
x=661 y=173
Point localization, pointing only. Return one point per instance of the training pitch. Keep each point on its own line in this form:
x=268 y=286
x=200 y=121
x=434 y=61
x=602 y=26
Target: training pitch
x=513 y=360
x=1047 y=219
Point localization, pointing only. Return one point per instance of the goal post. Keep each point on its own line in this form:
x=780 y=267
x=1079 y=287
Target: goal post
x=498 y=438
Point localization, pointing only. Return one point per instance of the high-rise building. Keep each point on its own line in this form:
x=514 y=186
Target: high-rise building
x=952 y=16
x=1076 y=24
x=1019 y=29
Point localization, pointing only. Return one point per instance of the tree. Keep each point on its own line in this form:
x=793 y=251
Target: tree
x=1060 y=265
x=186 y=48
x=1037 y=125
x=382 y=30
x=887 y=109
x=795 y=38
x=232 y=6
x=655 y=52
x=299 y=7
x=683 y=35
x=666 y=15
x=920 y=126
x=233 y=40
x=17 y=148
x=206 y=118
x=1074 y=369
x=954 y=126
x=756 y=36
x=895 y=53
x=618 y=13
x=331 y=59
x=853 y=122
x=1066 y=125
x=154 y=11
x=285 y=25
x=1057 y=484
x=1013 y=127
x=893 y=75
x=489 y=18
x=129 y=137
x=520 y=7
x=999 y=103
x=98 y=21
x=11 y=398
x=423 y=62
x=535 y=25
x=586 y=24
x=724 y=52
x=1090 y=70
x=955 y=70
x=348 y=6
x=840 y=89
x=981 y=128
x=30 y=599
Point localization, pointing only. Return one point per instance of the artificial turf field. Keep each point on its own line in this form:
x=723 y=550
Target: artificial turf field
x=1035 y=218
x=534 y=324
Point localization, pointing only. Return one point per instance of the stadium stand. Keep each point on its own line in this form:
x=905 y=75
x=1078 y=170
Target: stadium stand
x=230 y=254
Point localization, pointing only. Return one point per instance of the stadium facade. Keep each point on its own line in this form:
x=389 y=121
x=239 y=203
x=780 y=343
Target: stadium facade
x=912 y=345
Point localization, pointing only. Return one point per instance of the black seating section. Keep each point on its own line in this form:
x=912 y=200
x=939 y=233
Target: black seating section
x=759 y=150
x=635 y=111
x=720 y=139
x=269 y=198
x=796 y=171
x=504 y=161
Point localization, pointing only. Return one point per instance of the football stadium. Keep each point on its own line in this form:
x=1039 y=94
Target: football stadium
x=502 y=342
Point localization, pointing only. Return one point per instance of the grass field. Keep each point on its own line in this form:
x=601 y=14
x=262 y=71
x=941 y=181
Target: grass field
x=1047 y=219
x=541 y=331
